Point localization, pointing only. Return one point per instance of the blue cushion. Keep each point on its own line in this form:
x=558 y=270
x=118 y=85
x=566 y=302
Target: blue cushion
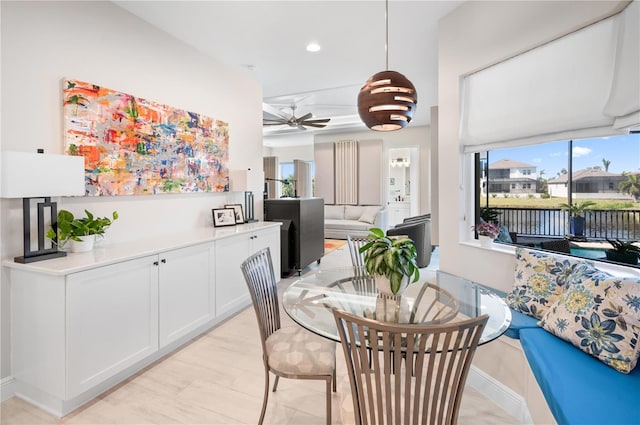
x=520 y=321
x=579 y=388
x=504 y=235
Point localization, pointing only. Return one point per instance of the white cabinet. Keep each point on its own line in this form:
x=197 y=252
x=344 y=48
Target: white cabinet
x=111 y=320
x=186 y=290
x=82 y=323
x=398 y=211
x=231 y=288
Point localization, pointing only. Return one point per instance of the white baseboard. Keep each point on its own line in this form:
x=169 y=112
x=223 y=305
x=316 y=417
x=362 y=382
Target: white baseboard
x=7 y=388
x=511 y=402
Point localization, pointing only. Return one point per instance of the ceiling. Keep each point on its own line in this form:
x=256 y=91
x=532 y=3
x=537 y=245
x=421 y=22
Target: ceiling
x=266 y=40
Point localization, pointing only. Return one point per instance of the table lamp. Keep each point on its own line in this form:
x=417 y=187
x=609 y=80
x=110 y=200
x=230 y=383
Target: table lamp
x=40 y=176
x=239 y=182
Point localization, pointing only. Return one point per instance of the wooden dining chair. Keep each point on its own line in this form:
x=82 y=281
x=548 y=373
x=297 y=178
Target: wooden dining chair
x=290 y=352
x=417 y=374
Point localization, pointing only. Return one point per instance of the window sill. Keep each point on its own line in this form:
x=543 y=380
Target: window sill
x=495 y=246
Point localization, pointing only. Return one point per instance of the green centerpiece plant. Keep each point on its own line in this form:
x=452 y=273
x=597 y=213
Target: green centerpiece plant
x=391 y=260
x=75 y=229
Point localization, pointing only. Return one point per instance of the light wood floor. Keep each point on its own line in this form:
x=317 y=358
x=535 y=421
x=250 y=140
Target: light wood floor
x=218 y=379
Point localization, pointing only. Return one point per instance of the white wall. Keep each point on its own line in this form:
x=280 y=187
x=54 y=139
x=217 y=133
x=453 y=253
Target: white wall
x=98 y=42
x=409 y=136
x=476 y=35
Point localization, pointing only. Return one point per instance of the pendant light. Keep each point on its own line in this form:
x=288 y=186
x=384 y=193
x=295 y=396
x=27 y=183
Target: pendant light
x=387 y=101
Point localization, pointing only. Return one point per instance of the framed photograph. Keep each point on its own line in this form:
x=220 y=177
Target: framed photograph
x=224 y=217
x=237 y=208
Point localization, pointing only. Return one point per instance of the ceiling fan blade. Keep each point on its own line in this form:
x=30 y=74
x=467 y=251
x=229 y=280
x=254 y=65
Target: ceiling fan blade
x=318 y=120
x=305 y=117
x=301 y=127
x=314 y=125
x=273 y=123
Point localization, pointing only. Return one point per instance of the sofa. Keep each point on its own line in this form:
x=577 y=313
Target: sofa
x=418 y=229
x=580 y=384
x=341 y=221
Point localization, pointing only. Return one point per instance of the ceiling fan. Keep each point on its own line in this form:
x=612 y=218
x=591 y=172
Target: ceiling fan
x=300 y=122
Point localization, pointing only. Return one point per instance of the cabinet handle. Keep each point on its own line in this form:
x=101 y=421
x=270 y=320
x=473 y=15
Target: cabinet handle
x=163 y=261
x=155 y=263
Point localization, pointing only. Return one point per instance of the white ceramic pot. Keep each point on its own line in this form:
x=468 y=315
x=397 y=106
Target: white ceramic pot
x=384 y=285
x=84 y=245
x=485 y=241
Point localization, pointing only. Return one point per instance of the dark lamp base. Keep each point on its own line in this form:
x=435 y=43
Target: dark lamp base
x=40 y=257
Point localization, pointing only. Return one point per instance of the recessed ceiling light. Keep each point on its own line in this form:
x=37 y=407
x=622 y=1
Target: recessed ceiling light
x=313 y=47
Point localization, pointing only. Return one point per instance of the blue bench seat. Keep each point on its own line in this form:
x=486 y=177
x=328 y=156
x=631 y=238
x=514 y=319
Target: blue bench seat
x=579 y=388
x=520 y=321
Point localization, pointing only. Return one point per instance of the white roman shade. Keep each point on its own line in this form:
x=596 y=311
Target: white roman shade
x=557 y=91
x=624 y=100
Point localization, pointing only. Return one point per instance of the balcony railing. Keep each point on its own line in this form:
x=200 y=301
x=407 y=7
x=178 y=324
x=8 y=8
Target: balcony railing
x=549 y=222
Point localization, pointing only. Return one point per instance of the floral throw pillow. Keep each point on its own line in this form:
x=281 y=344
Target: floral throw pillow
x=540 y=277
x=601 y=316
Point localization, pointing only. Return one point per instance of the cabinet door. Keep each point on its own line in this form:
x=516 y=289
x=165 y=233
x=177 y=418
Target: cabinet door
x=231 y=289
x=112 y=320
x=268 y=238
x=184 y=290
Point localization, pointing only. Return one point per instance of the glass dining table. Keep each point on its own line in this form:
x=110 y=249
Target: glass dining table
x=446 y=298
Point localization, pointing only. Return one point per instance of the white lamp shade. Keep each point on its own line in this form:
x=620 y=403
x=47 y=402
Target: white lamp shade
x=32 y=175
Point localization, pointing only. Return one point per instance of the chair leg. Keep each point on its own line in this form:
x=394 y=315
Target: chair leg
x=266 y=396
x=329 y=401
x=275 y=384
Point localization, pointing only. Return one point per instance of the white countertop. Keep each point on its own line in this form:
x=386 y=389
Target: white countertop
x=105 y=254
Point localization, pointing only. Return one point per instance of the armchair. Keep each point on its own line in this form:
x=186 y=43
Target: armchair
x=419 y=231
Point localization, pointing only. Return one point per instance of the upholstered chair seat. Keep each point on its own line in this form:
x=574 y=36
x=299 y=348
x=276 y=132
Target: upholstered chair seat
x=295 y=351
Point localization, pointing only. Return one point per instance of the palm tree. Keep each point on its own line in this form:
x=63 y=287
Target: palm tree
x=631 y=185
x=606 y=164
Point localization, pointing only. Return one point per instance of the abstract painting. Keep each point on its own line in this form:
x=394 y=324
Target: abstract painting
x=134 y=146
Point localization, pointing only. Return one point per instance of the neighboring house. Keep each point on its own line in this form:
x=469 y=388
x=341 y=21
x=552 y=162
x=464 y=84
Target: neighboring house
x=509 y=176
x=592 y=182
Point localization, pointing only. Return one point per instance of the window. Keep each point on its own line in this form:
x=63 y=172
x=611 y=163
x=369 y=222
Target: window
x=602 y=171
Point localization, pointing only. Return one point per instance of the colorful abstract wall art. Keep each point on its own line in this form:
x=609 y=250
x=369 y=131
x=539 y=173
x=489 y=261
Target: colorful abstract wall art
x=133 y=146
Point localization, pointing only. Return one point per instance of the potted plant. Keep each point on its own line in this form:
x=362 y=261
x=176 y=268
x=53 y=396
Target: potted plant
x=623 y=252
x=576 y=218
x=391 y=260
x=490 y=215
x=80 y=231
x=487 y=232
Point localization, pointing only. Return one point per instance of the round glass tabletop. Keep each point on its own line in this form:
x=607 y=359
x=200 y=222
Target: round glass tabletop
x=309 y=302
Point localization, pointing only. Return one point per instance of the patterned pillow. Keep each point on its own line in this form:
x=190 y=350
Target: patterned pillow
x=601 y=316
x=540 y=277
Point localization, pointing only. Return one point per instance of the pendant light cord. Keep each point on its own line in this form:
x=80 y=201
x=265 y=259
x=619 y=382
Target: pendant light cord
x=386 y=42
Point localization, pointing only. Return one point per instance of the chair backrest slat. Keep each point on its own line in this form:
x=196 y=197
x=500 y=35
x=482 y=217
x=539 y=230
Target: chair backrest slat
x=260 y=278
x=409 y=374
x=355 y=243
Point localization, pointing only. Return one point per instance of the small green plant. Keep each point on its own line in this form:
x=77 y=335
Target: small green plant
x=392 y=257
x=489 y=214
x=577 y=208
x=73 y=228
x=627 y=247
